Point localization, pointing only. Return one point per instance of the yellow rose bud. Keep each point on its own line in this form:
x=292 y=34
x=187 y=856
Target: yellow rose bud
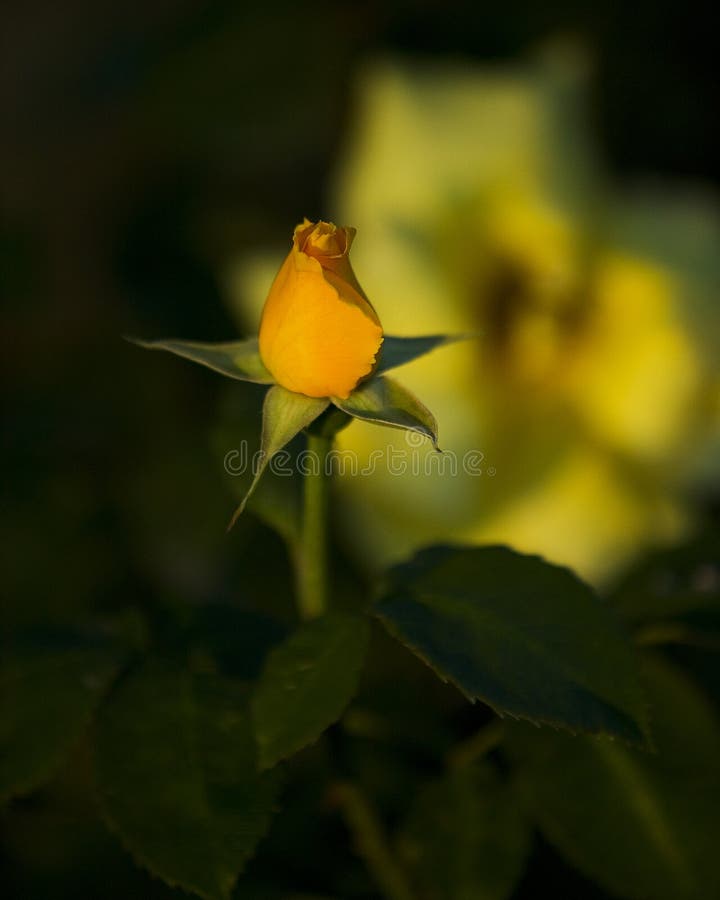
x=319 y=335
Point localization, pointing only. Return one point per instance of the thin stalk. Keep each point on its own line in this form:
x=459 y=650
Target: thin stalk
x=371 y=842
x=662 y=633
x=476 y=746
x=313 y=563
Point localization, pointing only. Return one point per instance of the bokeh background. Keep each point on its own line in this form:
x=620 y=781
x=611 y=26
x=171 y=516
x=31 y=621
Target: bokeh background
x=542 y=173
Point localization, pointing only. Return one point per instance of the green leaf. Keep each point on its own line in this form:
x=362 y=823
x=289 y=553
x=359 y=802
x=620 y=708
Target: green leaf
x=679 y=586
x=643 y=825
x=466 y=837
x=307 y=683
x=178 y=779
x=397 y=351
x=285 y=414
x=526 y=637
x=50 y=685
x=235 y=359
x=385 y=402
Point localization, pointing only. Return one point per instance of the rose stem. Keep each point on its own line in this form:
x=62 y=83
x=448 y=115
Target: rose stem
x=313 y=582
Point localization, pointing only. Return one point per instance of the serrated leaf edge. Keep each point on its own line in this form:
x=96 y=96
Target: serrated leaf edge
x=554 y=723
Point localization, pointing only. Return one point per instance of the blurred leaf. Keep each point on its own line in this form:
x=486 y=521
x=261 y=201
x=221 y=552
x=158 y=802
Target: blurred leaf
x=680 y=585
x=642 y=825
x=307 y=683
x=526 y=637
x=50 y=685
x=466 y=837
x=681 y=229
x=285 y=414
x=238 y=640
x=178 y=779
x=561 y=77
x=397 y=351
x=385 y=402
x=236 y=359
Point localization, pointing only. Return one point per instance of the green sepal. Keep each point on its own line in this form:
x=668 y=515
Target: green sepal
x=327 y=425
x=285 y=414
x=385 y=402
x=235 y=359
x=397 y=351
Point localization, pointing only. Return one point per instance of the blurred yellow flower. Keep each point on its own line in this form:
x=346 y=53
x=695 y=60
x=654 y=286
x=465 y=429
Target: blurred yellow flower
x=319 y=335
x=590 y=398
x=638 y=372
